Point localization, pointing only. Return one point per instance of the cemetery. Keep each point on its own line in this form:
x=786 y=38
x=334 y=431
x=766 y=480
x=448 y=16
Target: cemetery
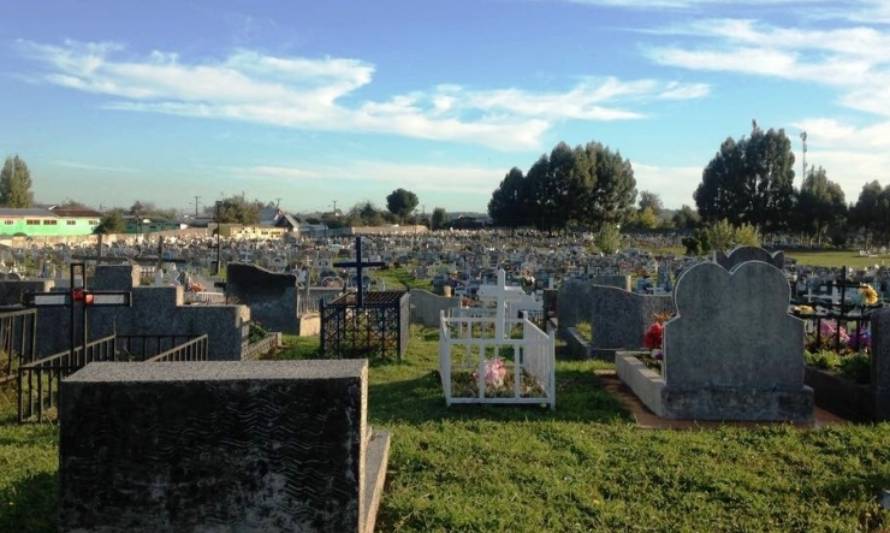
x=540 y=368
x=536 y=266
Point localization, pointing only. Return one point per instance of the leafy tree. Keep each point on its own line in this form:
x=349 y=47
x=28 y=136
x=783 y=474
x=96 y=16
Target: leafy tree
x=869 y=211
x=149 y=210
x=364 y=214
x=608 y=239
x=508 y=206
x=686 y=218
x=647 y=219
x=749 y=181
x=401 y=202
x=544 y=193
x=15 y=183
x=236 y=210
x=721 y=235
x=610 y=188
x=439 y=218
x=746 y=235
x=587 y=185
x=820 y=204
x=650 y=200
x=72 y=204
x=111 y=222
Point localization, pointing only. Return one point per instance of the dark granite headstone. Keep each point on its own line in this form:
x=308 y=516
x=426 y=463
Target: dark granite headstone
x=271 y=297
x=619 y=318
x=226 y=446
x=154 y=311
x=743 y=254
x=880 y=365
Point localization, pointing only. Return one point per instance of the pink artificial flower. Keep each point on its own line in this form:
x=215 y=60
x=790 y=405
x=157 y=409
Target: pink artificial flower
x=828 y=330
x=495 y=371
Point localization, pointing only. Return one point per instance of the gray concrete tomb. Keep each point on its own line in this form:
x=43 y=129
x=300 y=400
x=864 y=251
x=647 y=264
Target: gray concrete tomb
x=219 y=446
x=732 y=353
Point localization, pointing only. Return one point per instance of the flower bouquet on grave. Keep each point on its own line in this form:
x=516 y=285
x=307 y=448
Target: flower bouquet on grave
x=498 y=380
x=653 y=340
x=869 y=294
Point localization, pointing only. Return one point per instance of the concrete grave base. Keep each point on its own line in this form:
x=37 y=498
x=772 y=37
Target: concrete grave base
x=375 y=476
x=712 y=403
x=851 y=400
x=219 y=446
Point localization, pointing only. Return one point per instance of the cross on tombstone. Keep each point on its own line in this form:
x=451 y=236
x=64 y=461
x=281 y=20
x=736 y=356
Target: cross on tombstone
x=502 y=295
x=75 y=295
x=359 y=266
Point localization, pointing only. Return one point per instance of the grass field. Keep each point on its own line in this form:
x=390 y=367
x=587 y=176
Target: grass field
x=398 y=278
x=582 y=467
x=838 y=258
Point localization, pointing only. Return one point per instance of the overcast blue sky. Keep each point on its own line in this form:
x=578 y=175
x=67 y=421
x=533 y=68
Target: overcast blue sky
x=113 y=101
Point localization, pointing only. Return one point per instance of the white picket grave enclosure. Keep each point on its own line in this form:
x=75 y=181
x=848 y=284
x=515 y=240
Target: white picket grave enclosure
x=469 y=344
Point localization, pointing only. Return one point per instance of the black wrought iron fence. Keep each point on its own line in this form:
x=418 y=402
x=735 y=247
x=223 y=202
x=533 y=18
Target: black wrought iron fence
x=18 y=341
x=39 y=380
x=193 y=350
x=144 y=347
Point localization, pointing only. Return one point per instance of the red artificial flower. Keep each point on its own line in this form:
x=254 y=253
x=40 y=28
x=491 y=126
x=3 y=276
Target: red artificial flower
x=654 y=336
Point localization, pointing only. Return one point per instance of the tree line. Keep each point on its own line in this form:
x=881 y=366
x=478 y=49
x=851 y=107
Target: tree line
x=749 y=184
x=587 y=185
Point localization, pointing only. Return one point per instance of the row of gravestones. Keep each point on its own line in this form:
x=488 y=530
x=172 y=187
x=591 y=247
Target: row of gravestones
x=218 y=445
x=732 y=351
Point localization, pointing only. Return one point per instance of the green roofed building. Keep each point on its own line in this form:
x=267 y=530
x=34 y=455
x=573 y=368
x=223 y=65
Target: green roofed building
x=47 y=222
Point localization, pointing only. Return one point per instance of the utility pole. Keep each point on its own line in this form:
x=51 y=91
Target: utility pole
x=218 y=243
x=196 y=205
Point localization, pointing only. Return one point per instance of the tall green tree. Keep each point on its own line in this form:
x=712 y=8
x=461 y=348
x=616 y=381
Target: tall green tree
x=749 y=181
x=686 y=218
x=438 y=219
x=508 y=206
x=871 y=213
x=111 y=222
x=651 y=201
x=611 y=191
x=588 y=185
x=820 y=204
x=236 y=210
x=15 y=183
x=401 y=202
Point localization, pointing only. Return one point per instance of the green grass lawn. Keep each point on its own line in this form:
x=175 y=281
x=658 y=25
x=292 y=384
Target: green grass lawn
x=398 y=278
x=582 y=467
x=836 y=258
x=586 y=467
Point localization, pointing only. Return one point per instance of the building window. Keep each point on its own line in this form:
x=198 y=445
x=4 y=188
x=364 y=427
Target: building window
x=33 y=222
x=71 y=222
x=49 y=222
x=94 y=222
x=9 y=222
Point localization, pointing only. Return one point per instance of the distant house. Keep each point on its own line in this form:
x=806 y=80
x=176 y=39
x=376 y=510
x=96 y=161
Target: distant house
x=47 y=222
x=286 y=221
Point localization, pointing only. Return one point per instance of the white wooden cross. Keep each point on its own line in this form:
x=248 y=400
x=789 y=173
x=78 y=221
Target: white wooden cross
x=500 y=293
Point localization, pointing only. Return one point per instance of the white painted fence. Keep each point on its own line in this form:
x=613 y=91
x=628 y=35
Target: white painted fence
x=473 y=342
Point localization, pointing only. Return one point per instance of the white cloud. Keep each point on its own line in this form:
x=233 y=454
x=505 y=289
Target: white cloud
x=856 y=60
x=308 y=93
x=475 y=180
x=851 y=155
x=675 y=185
x=91 y=167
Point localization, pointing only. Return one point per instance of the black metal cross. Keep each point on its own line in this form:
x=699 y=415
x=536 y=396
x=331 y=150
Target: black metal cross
x=359 y=266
